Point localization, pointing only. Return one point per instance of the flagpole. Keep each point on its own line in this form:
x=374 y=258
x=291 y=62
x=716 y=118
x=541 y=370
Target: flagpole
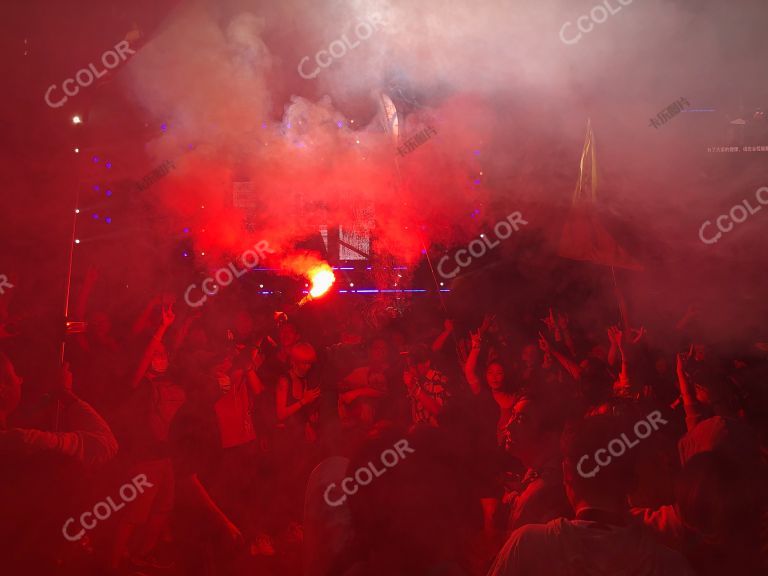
x=620 y=299
x=399 y=180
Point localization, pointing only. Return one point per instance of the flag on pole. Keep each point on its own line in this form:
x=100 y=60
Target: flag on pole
x=389 y=118
x=584 y=237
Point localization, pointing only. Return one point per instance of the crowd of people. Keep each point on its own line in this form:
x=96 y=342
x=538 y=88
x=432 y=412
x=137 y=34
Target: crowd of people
x=526 y=449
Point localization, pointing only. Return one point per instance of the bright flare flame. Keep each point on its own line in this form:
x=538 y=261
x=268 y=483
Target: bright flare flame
x=322 y=279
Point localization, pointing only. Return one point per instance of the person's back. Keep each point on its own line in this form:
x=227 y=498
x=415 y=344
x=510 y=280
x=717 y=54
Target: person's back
x=603 y=540
x=586 y=548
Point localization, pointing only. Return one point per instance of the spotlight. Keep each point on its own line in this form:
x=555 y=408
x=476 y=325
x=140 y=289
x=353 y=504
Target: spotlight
x=77 y=240
x=76 y=120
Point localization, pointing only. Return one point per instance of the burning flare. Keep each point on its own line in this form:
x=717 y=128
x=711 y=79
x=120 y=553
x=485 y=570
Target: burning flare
x=322 y=279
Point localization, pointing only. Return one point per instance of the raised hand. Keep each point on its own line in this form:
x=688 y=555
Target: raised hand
x=615 y=335
x=543 y=343
x=168 y=316
x=310 y=395
x=682 y=360
x=637 y=334
x=476 y=339
x=257 y=358
x=549 y=321
x=488 y=321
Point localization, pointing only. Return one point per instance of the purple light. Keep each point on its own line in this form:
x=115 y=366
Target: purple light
x=95 y=158
x=186 y=230
x=477 y=181
x=96 y=187
x=477 y=152
x=185 y=254
x=109 y=165
x=108 y=220
x=108 y=192
x=163 y=126
x=340 y=124
x=95 y=216
x=263 y=124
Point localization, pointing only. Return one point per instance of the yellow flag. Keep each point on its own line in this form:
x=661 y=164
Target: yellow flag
x=587 y=173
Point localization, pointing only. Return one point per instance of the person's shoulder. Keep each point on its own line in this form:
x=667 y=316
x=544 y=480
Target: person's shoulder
x=672 y=563
x=534 y=536
x=534 y=532
x=283 y=379
x=527 y=547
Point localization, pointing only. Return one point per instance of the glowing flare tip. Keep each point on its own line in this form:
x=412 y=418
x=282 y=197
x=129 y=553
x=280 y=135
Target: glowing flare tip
x=322 y=280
